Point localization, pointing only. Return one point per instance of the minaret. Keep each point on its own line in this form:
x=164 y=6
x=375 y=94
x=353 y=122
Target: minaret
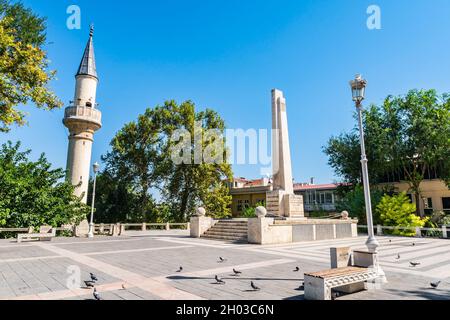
x=83 y=120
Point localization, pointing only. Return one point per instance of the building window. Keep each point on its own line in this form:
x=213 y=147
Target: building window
x=428 y=202
x=242 y=205
x=329 y=198
x=261 y=202
x=410 y=197
x=446 y=204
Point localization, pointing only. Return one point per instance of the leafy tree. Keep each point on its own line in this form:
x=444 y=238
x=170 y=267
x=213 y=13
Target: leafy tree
x=353 y=202
x=398 y=211
x=407 y=139
x=32 y=194
x=24 y=74
x=141 y=162
x=114 y=200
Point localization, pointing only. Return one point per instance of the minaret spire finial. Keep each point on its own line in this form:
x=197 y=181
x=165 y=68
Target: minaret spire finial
x=87 y=65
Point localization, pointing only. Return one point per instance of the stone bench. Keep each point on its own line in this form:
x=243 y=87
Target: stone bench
x=318 y=285
x=46 y=234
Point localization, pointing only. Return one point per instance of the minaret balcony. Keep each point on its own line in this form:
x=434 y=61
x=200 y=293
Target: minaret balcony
x=83 y=114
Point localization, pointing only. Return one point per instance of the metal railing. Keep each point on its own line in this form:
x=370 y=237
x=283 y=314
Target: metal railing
x=442 y=232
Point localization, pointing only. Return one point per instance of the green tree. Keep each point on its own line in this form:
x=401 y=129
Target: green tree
x=32 y=194
x=142 y=162
x=24 y=75
x=407 y=139
x=398 y=211
x=114 y=200
x=353 y=202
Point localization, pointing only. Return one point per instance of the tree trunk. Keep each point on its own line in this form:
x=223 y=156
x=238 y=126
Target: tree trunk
x=418 y=199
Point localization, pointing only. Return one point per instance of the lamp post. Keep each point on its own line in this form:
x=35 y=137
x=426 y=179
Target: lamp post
x=358 y=93
x=96 y=168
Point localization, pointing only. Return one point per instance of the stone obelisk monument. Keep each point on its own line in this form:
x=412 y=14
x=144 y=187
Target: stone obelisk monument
x=282 y=201
x=83 y=120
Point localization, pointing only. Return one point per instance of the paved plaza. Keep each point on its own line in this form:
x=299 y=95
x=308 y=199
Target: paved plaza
x=144 y=266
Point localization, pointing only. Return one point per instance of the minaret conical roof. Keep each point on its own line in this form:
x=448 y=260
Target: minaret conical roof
x=87 y=65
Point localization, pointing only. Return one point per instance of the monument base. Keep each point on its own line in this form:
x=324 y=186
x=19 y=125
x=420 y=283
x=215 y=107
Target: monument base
x=286 y=205
x=263 y=230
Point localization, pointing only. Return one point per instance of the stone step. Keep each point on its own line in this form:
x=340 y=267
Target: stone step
x=227 y=225
x=236 y=223
x=225 y=233
x=243 y=239
x=226 y=228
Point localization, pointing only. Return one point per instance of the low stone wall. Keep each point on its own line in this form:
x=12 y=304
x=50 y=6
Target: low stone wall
x=200 y=224
x=264 y=230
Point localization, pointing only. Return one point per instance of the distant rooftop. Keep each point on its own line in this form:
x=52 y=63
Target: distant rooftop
x=329 y=186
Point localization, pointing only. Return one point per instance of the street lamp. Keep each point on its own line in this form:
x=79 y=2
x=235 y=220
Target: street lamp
x=358 y=94
x=96 y=168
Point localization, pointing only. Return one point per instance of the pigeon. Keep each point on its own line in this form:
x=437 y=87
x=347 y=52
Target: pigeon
x=222 y=260
x=93 y=277
x=435 y=284
x=236 y=272
x=390 y=240
x=414 y=264
x=398 y=257
x=297 y=269
x=302 y=286
x=123 y=287
x=254 y=287
x=89 y=284
x=179 y=270
x=413 y=244
x=220 y=281
x=97 y=295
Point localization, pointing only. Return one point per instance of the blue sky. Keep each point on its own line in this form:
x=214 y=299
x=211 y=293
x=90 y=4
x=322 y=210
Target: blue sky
x=228 y=55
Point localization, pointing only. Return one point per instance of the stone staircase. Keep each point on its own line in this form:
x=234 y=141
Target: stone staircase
x=228 y=230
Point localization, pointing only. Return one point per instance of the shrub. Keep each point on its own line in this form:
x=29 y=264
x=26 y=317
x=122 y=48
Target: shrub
x=251 y=211
x=398 y=211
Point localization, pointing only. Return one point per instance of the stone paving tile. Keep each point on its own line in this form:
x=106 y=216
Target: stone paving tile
x=41 y=276
x=117 y=245
x=19 y=252
x=157 y=263
x=277 y=280
x=128 y=294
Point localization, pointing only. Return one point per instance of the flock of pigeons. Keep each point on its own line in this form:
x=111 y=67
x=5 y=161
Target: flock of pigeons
x=91 y=283
x=237 y=273
x=414 y=264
